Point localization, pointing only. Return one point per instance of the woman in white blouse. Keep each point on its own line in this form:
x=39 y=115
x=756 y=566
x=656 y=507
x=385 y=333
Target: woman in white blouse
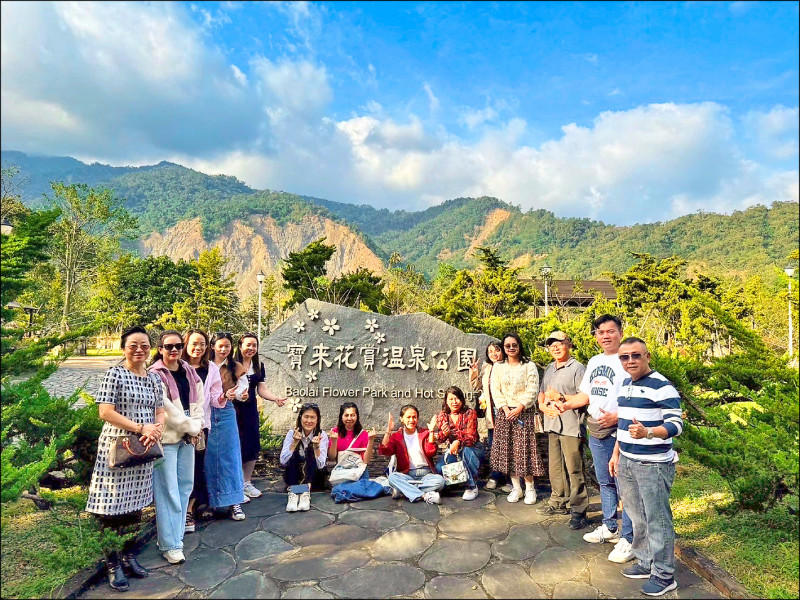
x=515 y=386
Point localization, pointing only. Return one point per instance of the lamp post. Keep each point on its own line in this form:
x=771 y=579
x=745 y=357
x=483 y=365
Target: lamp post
x=545 y=271
x=261 y=277
x=790 y=273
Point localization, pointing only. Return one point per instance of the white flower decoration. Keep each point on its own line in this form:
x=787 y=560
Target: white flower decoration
x=313 y=314
x=372 y=325
x=294 y=404
x=299 y=326
x=379 y=337
x=330 y=327
x=311 y=376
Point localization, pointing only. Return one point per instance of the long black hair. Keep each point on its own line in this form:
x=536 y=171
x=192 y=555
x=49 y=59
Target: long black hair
x=238 y=354
x=206 y=355
x=306 y=407
x=162 y=336
x=499 y=346
x=229 y=363
x=357 y=428
x=523 y=357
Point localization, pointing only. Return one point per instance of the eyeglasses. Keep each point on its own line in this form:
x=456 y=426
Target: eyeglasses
x=559 y=343
x=510 y=346
x=627 y=357
x=171 y=347
x=134 y=347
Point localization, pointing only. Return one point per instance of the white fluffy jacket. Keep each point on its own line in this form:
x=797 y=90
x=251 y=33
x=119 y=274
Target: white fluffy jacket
x=178 y=423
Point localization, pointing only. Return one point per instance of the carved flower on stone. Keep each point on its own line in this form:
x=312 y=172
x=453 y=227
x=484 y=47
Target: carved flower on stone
x=311 y=376
x=313 y=314
x=372 y=325
x=299 y=326
x=379 y=337
x=294 y=404
x=330 y=327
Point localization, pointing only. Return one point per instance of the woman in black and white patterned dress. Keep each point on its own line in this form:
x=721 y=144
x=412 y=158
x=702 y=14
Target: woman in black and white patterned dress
x=129 y=401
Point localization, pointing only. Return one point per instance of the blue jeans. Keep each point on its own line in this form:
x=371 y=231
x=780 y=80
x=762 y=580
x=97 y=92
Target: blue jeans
x=416 y=482
x=499 y=477
x=472 y=459
x=609 y=492
x=645 y=490
x=173 y=479
x=223 y=466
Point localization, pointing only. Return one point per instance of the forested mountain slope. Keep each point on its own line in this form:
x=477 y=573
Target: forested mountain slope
x=167 y=195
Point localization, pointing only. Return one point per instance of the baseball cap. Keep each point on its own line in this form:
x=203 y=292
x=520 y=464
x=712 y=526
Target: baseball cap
x=559 y=336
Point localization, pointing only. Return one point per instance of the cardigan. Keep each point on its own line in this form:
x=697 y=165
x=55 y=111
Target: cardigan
x=397 y=447
x=178 y=423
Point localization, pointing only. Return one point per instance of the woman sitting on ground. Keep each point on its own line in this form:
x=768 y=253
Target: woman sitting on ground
x=350 y=435
x=415 y=477
x=457 y=425
x=303 y=457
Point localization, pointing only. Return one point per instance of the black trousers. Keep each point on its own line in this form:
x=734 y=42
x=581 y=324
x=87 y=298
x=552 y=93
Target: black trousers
x=302 y=468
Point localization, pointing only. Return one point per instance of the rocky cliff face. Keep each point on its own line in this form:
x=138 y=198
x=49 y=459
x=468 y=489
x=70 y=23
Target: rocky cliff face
x=260 y=243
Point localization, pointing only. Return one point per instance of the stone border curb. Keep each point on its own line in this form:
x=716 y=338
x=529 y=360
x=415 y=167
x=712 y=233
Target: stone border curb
x=706 y=568
x=83 y=580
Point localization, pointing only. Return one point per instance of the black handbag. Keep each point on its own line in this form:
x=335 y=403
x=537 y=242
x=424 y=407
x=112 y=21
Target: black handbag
x=129 y=451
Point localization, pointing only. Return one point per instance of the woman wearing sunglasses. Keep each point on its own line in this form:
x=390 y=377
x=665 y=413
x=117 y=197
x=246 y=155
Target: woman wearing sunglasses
x=515 y=387
x=247 y=408
x=303 y=457
x=173 y=478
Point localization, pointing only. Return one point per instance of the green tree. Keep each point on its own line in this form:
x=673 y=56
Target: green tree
x=213 y=300
x=91 y=224
x=11 y=206
x=304 y=272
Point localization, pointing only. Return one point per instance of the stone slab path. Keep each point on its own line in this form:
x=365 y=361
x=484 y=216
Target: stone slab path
x=79 y=371
x=385 y=548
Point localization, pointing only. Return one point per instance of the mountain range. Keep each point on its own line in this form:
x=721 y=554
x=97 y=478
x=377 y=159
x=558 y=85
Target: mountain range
x=182 y=212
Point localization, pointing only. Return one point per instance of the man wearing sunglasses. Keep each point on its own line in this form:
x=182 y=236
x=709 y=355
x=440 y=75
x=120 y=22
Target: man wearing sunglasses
x=644 y=464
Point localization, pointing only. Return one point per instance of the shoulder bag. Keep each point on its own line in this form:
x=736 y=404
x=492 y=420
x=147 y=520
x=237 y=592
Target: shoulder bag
x=129 y=451
x=454 y=472
x=349 y=466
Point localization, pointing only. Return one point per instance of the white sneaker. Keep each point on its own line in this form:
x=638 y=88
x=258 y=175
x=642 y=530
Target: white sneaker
x=432 y=497
x=622 y=552
x=291 y=505
x=237 y=514
x=251 y=490
x=515 y=495
x=305 y=501
x=246 y=499
x=530 y=496
x=174 y=557
x=600 y=535
x=470 y=494
x=491 y=484
x=507 y=488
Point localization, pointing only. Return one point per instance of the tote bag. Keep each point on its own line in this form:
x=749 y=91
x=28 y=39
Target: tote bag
x=349 y=466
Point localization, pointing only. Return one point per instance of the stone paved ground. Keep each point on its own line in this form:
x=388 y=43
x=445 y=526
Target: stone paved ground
x=79 y=371
x=487 y=548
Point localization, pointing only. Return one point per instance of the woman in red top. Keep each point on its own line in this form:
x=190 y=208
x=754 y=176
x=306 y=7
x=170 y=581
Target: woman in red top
x=415 y=477
x=458 y=426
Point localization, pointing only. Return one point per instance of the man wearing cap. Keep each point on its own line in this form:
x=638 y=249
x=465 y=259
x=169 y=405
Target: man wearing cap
x=565 y=433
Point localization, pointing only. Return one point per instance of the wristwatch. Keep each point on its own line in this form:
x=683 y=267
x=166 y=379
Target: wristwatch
x=649 y=435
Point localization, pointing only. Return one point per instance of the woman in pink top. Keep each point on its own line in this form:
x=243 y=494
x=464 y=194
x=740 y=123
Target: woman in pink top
x=341 y=438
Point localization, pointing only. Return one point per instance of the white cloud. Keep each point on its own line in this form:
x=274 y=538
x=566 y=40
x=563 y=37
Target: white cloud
x=140 y=83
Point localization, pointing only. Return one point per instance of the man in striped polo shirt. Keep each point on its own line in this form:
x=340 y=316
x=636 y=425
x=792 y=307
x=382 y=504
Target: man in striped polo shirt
x=644 y=464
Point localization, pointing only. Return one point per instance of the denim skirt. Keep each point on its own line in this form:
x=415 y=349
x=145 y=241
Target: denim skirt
x=223 y=464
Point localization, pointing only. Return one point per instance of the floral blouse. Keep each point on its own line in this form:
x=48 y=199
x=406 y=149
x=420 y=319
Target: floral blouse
x=465 y=429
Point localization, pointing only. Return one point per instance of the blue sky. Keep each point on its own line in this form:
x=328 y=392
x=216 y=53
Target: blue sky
x=625 y=112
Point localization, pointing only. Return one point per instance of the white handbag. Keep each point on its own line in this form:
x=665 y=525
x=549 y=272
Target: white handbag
x=349 y=466
x=454 y=472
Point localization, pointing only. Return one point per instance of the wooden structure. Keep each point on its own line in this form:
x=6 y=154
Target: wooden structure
x=570 y=293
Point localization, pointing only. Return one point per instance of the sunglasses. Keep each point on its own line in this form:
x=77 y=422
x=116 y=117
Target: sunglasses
x=511 y=346
x=309 y=405
x=627 y=357
x=134 y=347
x=171 y=347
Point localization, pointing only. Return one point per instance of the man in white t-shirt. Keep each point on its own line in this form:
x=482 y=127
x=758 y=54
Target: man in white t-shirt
x=599 y=390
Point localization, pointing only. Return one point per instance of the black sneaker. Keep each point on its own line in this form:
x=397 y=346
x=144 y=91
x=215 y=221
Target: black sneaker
x=551 y=511
x=636 y=571
x=577 y=521
x=657 y=586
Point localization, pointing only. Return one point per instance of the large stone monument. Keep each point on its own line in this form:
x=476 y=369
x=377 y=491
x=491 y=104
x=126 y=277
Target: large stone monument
x=329 y=354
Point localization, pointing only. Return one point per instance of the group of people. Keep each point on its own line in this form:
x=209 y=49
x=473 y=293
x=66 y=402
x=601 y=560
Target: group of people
x=197 y=398
x=195 y=391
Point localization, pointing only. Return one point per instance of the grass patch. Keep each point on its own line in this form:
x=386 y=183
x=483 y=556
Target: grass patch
x=760 y=550
x=42 y=549
x=103 y=352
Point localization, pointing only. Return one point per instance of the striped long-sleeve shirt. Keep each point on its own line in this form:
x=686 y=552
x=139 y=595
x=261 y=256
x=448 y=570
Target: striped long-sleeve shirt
x=652 y=401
